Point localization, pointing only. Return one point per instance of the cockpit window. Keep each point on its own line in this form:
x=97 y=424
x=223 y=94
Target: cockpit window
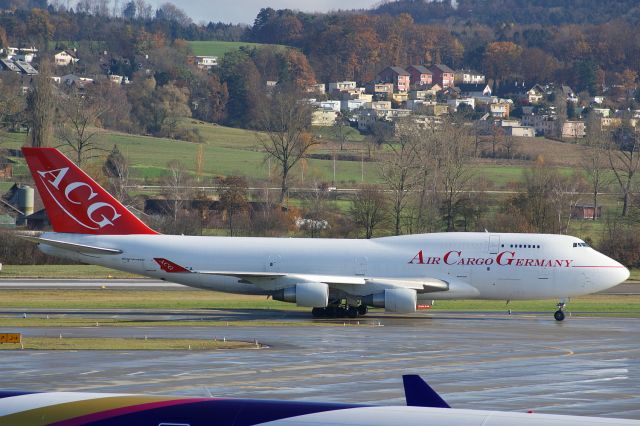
x=581 y=244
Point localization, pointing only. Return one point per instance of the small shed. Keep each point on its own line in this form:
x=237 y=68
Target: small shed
x=586 y=211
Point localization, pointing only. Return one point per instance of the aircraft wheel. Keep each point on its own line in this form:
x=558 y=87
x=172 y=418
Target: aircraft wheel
x=362 y=310
x=319 y=312
x=352 y=312
x=559 y=315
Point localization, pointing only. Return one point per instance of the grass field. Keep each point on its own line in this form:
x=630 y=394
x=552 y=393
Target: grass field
x=219 y=48
x=114 y=343
x=618 y=305
x=62 y=271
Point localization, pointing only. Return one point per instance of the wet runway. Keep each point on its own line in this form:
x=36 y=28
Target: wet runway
x=583 y=366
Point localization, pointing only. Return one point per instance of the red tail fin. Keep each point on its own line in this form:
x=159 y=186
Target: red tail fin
x=75 y=203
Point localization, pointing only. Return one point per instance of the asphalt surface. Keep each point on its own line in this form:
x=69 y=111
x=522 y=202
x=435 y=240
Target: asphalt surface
x=582 y=366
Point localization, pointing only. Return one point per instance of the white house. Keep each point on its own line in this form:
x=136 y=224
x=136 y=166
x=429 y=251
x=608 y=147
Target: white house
x=455 y=103
x=353 y=104
x=342 y=86
x=65 y=57
x=330 y=105
x=323 y=117
x=206 y=62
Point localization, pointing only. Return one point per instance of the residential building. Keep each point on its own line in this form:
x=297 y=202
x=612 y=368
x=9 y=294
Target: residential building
x=400 y=78
x=602 y=112
x=544 y=124
x=442 y=75
x=323 y=117
x=353 y=104
x=72 y=79
x=381 y=105
x=319 y=88
x=26 y=68
x=569 y=94
x=65 y=57
x=382 y=90
x=474 y=90
x=468 y=77
x=573 y=129
x=455 y=103
x=420 y=75
x=520 y=131
x=535 y=95
x=330 y=105
x=8 y=65
x=400 y=97
x=206 y=62
x=500 y=109
x=342 y=86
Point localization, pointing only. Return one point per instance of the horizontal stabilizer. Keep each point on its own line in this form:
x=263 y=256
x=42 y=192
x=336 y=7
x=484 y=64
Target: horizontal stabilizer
x=78 y=248
x=419 y=394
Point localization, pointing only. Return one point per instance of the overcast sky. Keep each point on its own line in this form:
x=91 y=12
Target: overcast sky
x=245 y=11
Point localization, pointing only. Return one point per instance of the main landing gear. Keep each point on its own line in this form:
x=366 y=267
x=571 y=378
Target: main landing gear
x=340 y=311
x=559 y=314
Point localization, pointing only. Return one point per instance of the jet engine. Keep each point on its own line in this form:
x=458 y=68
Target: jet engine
x=401 y=300
x=313 y=295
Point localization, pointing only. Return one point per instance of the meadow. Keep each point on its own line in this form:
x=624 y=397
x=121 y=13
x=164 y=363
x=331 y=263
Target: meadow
x=219 y=48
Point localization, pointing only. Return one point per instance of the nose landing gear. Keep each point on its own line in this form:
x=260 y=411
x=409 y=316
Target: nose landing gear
x=559 y=314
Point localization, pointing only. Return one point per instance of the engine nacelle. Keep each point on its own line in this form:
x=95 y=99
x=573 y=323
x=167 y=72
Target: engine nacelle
x=400 y=300
x=312 y=295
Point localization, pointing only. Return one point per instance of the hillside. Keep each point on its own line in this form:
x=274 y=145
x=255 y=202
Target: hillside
x=544 y=12
x=219 y=48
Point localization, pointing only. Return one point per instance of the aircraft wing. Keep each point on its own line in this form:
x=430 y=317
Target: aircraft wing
x=79 y=248
x=424 y=285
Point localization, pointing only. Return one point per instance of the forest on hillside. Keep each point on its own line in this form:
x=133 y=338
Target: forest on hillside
x=489 y=12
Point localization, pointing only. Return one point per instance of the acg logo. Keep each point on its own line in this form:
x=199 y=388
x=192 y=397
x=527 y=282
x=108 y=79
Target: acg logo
x=80 y=194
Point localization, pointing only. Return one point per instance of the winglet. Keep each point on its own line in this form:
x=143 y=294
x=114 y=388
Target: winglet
x=169 y=266
x=419 y=394
x=75 y=203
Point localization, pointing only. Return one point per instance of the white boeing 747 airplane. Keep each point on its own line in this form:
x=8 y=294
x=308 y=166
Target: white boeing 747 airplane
x=332 y=276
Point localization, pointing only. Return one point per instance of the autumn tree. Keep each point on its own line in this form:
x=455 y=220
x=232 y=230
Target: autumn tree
x=244 y=84
x=286 y=138
x=502 y=60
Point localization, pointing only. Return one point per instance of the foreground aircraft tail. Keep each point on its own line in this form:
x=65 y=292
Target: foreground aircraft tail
x=419 y=394
x=74 y=202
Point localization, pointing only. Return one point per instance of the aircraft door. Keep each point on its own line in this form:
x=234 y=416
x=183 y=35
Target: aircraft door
x=494 y=244
x=150 y=265
x=273 y=263
x=361 y=266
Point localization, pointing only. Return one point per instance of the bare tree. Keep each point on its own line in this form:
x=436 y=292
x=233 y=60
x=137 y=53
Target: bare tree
x=624 y=160
x=233 y=199
x=369 y=209
x=594 y=161
x=400 y=171
x=40 y=108
x=286 y=138
x=455 y=151
x=176 y=190
x=116 y=169
x=79 y=113
x=316 y=210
